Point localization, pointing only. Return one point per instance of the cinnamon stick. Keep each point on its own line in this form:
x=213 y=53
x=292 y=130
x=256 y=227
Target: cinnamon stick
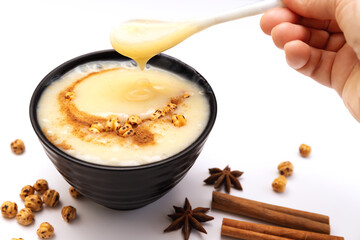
x=257 y=210
x=312 y=216
x=287 y=233
x=248 y=235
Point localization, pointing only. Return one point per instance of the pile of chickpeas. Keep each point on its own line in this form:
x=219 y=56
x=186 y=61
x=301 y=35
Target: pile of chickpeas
x=34 y=197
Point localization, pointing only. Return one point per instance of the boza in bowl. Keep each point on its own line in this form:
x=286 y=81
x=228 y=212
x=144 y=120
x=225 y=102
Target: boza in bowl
x=121 y=136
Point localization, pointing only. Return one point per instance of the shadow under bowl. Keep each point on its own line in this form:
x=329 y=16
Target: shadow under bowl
x=132 y=187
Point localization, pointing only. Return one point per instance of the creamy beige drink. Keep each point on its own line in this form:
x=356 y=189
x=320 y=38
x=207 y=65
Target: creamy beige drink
x=113 y=113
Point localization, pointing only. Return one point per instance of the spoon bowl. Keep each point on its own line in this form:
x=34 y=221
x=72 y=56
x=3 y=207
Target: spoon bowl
x=143 y=39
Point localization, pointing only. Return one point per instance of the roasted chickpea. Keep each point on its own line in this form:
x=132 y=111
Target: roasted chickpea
x=304 y=150
x=96 y=127
x=41 y=186
x=9 y=209
x=124 y=129
x=173 y=106
x=113 y=124
x=129 y=133
x=74 y=193
x=157 y=114
x=17 y=147
x=26 y=191
x=134 y=120
x=45 y=230
x=279 y=184
x=94 y=130
x=166 y=110
x=178 y=120
x=51 y=197
x=69 y=96
x=25 y=216
x=286 y=168
x=186 y=95
x=33 y=202
x=68 y=213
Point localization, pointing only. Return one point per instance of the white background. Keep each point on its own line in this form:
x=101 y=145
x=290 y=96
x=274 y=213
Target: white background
x=266 y=110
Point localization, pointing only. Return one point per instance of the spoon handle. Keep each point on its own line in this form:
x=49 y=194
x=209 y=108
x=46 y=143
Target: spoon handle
x=246 y=11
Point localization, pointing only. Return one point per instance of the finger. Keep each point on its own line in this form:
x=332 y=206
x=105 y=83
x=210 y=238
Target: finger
x=348 y=18
x=286 y=32
x=345 y=12
x=276 y=16
x=310 y=61
x=317 y=9
x=343 y=66
x=328 y=25
x=335 y=42
x=351 y=92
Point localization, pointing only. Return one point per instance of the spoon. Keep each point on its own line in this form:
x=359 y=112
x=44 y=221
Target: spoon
x=143 y=39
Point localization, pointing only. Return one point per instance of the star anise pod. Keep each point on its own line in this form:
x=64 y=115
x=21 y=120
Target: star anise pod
x=188 y=218
x=218 y=177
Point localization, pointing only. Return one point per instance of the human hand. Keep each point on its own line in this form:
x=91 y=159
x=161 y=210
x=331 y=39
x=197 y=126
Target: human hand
x=321 y=39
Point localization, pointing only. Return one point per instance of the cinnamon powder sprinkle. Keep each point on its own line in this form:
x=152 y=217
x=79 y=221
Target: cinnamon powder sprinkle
x=177 y=100
x=143 y=136
x=80 y=121
x=53 y=139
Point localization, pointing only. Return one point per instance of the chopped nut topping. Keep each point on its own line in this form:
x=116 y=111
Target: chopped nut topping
x=134 y=120
x=178 y=120
x=69 y=96
x=9 y=209
x=45 y=231
x=25 y=216
x=17 y=147
x=68 y=213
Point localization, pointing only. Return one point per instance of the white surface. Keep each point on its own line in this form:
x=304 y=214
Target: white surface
x=266 y=110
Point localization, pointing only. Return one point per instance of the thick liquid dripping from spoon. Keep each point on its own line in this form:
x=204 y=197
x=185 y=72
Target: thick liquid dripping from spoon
x=143 y=39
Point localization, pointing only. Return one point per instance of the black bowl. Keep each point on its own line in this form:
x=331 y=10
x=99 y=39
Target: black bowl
x=124 y=187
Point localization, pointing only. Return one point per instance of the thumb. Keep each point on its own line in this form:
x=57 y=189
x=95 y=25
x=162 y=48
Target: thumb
x=348 y=17
x=345 y=12
x=317 y=9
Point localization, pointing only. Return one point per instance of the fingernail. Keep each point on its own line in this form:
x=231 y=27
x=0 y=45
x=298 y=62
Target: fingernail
x=293 y=59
